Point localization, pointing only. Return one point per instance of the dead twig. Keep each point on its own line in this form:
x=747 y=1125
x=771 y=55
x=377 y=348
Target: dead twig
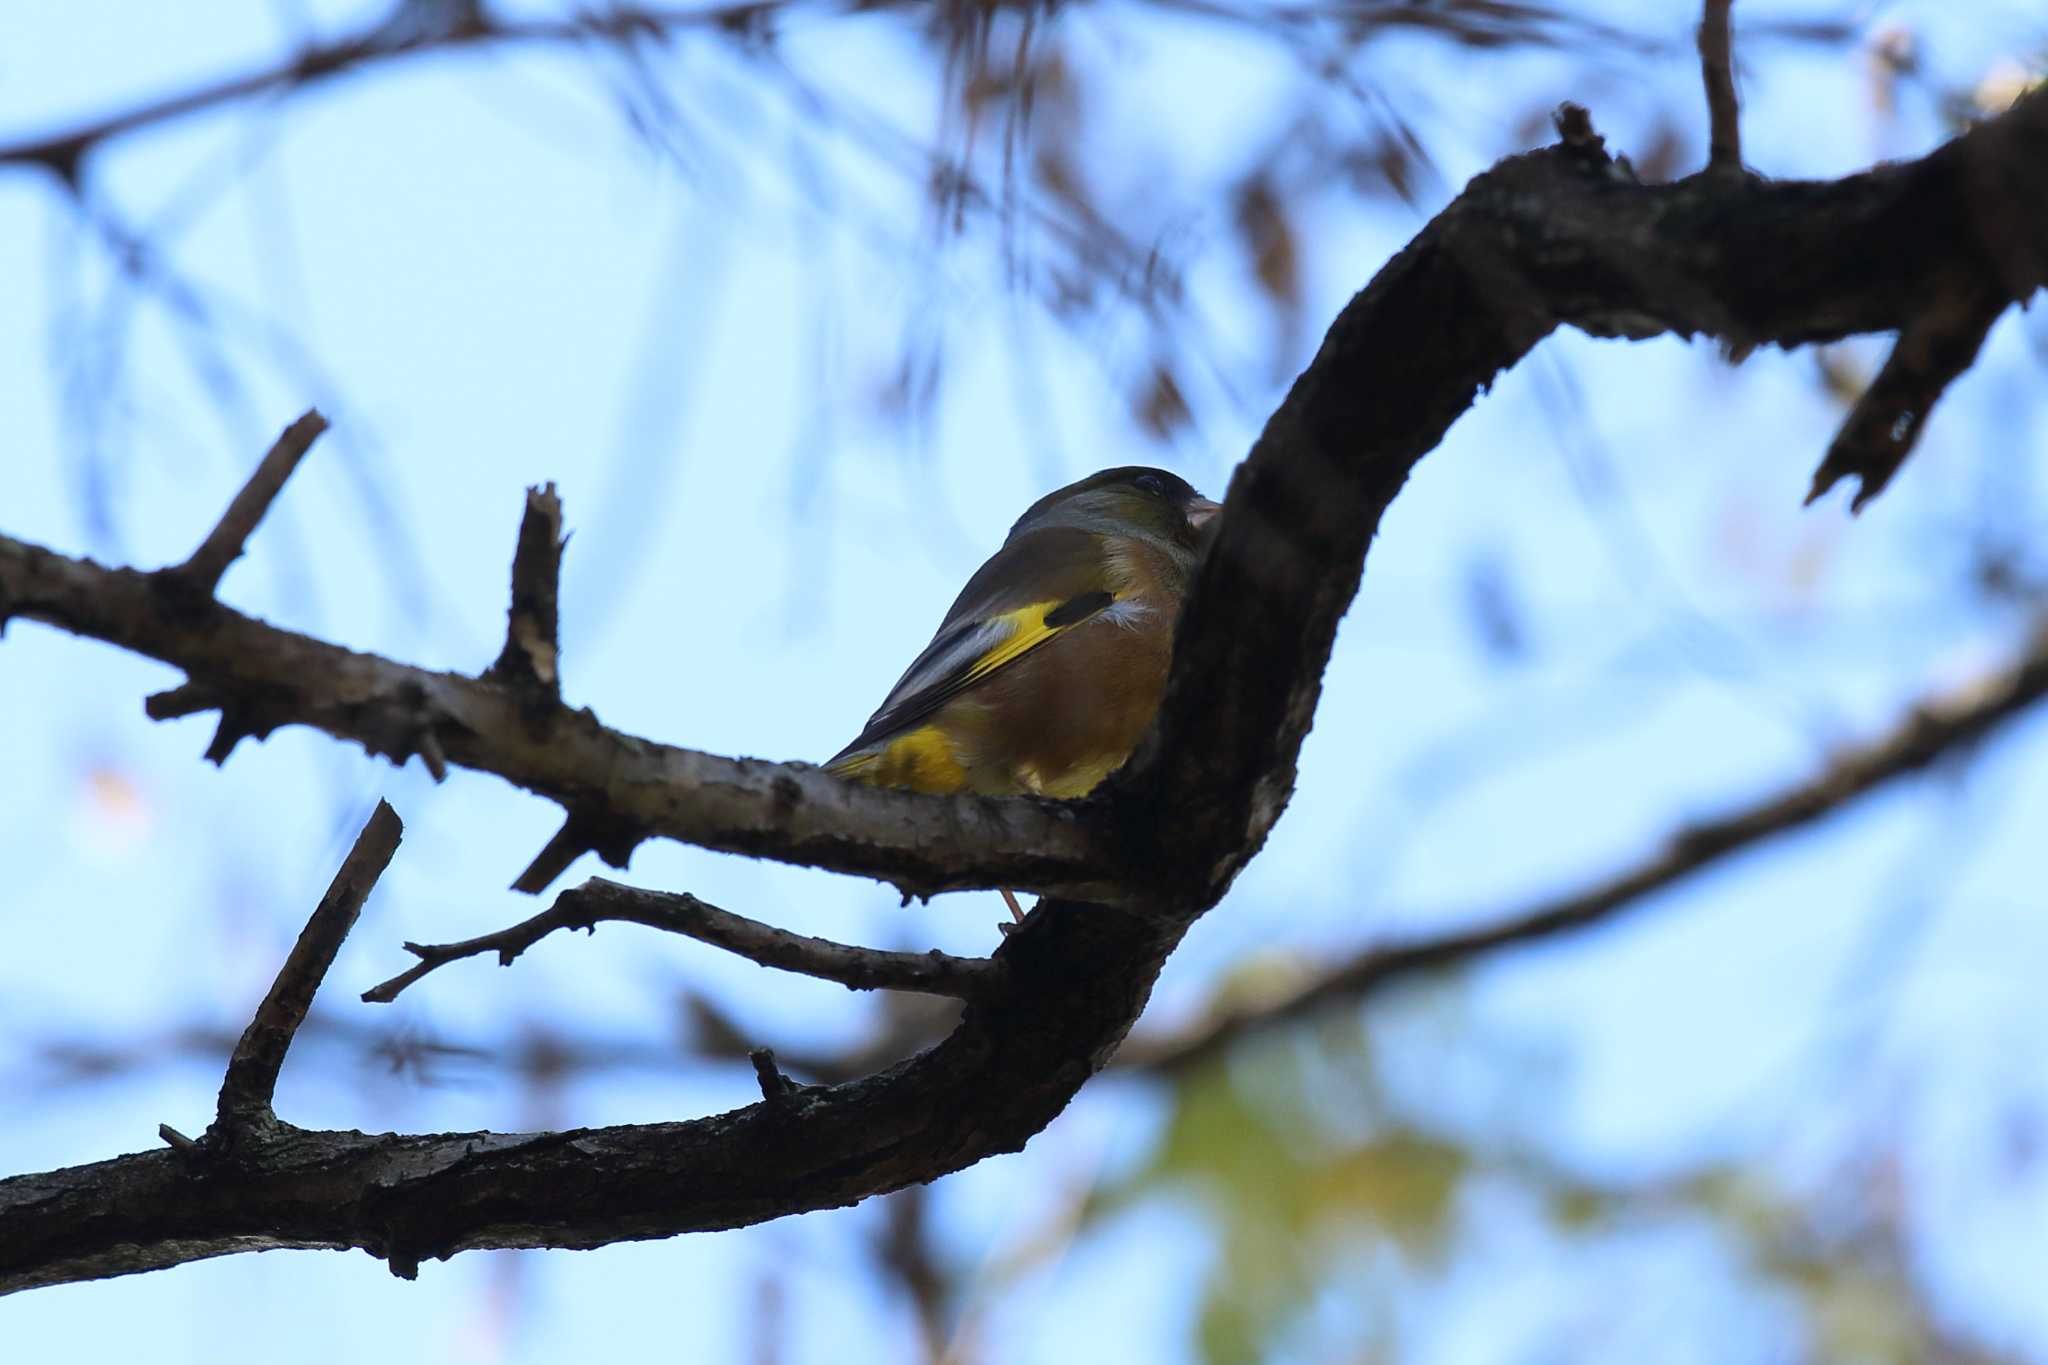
x=532 y=655
x=597 y=900
x=223 y=545
x=251 y=1080
x=1717 y=69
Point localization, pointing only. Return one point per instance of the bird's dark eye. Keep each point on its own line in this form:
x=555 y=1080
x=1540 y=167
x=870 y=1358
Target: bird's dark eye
x=1151 y=483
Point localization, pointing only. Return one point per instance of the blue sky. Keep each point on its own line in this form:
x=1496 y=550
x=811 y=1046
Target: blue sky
x=487 y=283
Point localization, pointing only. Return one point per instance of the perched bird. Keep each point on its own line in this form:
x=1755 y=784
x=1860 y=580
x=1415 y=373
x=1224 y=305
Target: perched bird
x=1050 y=664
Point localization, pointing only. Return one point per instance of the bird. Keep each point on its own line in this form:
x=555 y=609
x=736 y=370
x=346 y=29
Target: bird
x=1050 y=665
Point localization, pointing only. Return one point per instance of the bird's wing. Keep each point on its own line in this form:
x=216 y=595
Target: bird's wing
x=1037 y=586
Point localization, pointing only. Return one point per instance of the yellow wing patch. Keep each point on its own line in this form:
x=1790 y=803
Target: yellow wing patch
x=923 y=758
x=1030 y=629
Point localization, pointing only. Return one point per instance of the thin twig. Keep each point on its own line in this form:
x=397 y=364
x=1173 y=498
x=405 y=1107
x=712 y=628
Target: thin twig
x=251 y=1081
x=597 y=900
x=223 y=545
x=1717 y=69
x=532 y=653
x=63 y=152
x=1928 y=732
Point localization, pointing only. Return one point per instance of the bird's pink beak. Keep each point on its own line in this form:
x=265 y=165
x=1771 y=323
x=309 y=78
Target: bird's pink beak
x=1201 y=512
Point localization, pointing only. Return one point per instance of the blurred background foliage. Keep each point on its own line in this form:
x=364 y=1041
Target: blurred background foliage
x=879 y=272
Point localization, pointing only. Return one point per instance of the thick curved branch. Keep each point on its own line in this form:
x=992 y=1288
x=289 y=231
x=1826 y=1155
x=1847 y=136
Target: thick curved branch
x=1932 y=730
x=1000 y=1078
x=1558 y=236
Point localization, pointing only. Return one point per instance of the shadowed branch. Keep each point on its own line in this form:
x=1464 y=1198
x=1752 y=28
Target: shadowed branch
x=1562 y=236
x=598 y=900
x=1717 y=70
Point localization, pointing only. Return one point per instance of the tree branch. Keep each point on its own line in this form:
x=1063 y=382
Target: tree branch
x=1559 y=236
x=1717 y=70
x=1931 y=730
x=531 y=658
x=582 y=832
x=1555 y=236
x=1009 y=1068
x=201 y=573
x=632 y=788
x=1932 y=350
x=251 y=1080
x=598 y=900
x=65 y=153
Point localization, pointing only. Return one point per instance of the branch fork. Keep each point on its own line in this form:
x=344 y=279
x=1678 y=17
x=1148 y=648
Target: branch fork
x=1553 y=237
x=200 y=574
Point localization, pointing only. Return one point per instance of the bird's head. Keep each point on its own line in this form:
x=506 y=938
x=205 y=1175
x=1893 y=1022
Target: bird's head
x=1134 y=500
